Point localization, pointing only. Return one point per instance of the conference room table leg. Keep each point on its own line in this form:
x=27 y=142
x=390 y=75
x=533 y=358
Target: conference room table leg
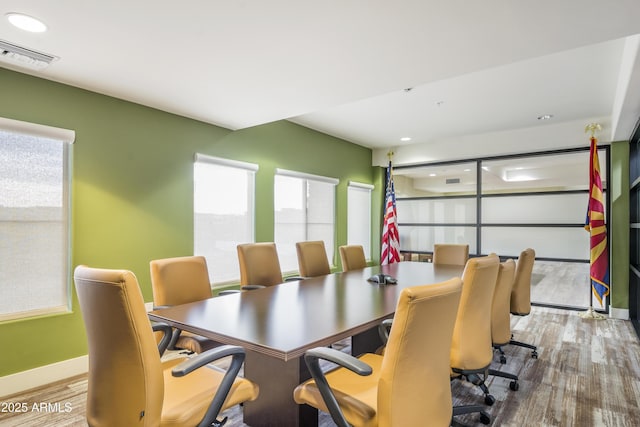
x=275 y=406
x=366 y=342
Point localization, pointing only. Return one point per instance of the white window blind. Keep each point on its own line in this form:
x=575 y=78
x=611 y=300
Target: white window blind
x=34 y=219
x=304 y=210
x=224 y=214
x=359 y=215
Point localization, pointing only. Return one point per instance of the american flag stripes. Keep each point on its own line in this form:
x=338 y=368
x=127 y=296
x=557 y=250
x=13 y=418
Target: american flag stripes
x=390 y=235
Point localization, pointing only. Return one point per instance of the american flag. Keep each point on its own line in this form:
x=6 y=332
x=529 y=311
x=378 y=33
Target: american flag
x=390 y=236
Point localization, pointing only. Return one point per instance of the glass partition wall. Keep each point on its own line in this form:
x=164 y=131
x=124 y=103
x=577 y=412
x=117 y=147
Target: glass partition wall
x=504 y=205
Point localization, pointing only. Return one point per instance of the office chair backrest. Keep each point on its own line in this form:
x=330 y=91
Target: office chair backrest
x=179 y=280
x=500 y=318
x=352 y=257
x=450 y=254
x=259 y=264
x=312 y=259
x=471 y=347
x=521 y=293
x=126 y=385
x=414 y=386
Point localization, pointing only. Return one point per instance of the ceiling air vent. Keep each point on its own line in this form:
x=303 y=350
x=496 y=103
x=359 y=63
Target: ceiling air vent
x=25 y=57
x=452 y=181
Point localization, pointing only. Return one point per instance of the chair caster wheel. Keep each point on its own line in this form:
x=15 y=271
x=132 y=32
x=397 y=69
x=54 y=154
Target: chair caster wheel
x=489 y=399
x=485 y=418
x=534 y=354
x=514 y=385
x=503 y=360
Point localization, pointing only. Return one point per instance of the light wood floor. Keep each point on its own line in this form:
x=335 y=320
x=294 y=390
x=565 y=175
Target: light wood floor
x=587 y=374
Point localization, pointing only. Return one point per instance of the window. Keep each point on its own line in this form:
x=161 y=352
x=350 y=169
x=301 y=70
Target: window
x=223 y=213
x=359 y=215
x=34 y=219
x=304 y=210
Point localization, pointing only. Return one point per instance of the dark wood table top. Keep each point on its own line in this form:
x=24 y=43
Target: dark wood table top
x=286 y=320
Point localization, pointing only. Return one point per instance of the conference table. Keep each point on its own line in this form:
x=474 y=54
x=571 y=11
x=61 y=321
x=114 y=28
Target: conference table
x=277 y=324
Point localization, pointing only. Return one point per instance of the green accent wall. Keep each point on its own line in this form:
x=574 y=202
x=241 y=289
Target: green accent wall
x=132 y=189
x=619 y=225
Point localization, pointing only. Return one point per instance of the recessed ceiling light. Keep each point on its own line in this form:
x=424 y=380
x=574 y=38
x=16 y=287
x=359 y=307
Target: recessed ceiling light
x=26 y=22
x=545 y=117
x=405 y=139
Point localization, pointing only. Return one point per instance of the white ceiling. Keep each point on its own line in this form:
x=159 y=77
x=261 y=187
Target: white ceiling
x=341 y=67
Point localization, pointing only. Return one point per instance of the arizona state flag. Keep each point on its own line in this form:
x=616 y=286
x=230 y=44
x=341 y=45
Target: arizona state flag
x=599 y=257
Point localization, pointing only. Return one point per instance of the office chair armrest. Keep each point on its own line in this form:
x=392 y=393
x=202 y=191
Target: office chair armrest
x=312 y=359
x=237 y=359
x=251 y=287
x=383 y=330
x=339 y=358
x=167 y=333
x=206 y=357
x=175 y=334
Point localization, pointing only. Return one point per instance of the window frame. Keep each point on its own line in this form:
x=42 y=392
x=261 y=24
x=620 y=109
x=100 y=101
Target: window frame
x=284 y=249
x=250 y=168
x=359 y=186
x=67 y=138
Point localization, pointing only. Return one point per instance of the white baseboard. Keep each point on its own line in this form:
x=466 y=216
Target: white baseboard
x=619 y=313
x=43 y=375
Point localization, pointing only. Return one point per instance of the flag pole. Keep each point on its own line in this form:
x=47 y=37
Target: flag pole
x=591 y=313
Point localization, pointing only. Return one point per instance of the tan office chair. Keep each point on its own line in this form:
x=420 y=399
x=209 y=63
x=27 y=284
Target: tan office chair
x=500 y=319
x=312 y=259
x=409 y=385
x=471 y=349
x=260 y=266
x=128 y=383
x=177 y=281
x=352 y=257
x=500 y=311
x=521 y=293
x=450 y=254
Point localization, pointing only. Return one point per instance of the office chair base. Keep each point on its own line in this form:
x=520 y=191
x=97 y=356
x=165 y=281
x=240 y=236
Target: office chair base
x=534 y=353
x=220 y=423
x=475 y=379
x=485 y=418
x=498 y=347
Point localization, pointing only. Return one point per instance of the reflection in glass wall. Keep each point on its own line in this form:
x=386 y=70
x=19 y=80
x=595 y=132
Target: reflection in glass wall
x=555 y=172
x=536 y=201
x=567 y=243
x=454 y=211
x=415 y=239
x=436 y=181
x=541 y=208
